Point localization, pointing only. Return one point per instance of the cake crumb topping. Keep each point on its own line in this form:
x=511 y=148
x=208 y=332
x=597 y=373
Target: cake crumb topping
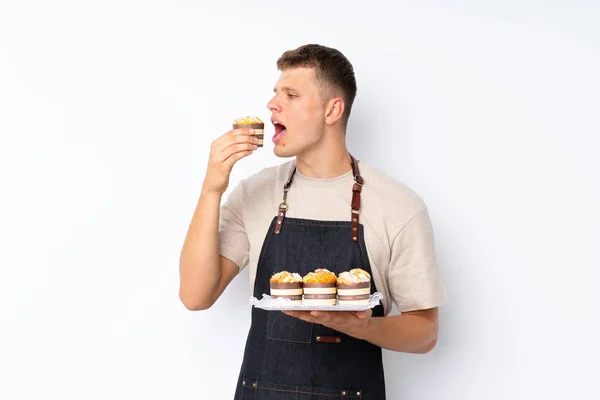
x=248 y=120
x=321 y=275
x=355 y=275
x=286 y=277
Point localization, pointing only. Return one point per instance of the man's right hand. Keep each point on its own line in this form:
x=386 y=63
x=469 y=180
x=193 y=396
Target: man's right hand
x=204 y=273
x=224 y=153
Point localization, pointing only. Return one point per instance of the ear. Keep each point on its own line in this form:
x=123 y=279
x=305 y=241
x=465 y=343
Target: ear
x=334 y=110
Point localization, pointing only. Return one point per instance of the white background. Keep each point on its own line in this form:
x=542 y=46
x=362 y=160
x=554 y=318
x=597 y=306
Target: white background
x=489 y=110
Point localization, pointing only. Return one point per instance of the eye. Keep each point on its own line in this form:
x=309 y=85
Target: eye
x=291 y=96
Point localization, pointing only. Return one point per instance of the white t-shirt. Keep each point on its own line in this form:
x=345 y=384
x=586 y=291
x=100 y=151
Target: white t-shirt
x=397 y=228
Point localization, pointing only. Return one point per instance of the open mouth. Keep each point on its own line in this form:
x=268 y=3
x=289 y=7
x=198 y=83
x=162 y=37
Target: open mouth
x=280 y=130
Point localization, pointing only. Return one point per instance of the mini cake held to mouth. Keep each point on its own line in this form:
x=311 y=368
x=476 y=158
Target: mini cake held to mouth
x=252 y=122
x=354 y=287
x=286 y=285
x=320 y=287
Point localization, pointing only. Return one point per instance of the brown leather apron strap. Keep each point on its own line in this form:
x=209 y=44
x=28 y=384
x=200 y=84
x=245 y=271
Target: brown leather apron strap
x=283 y=206
x=356 y=189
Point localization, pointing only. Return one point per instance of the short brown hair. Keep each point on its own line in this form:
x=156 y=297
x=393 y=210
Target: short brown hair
x=332 y=68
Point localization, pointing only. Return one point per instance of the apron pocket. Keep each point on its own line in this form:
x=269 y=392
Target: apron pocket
x=257 y=390
x=288 y=329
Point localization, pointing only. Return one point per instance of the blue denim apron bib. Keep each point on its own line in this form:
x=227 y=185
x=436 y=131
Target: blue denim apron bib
x=287 y=358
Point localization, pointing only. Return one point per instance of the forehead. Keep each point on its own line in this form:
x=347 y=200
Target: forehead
x=302 y=79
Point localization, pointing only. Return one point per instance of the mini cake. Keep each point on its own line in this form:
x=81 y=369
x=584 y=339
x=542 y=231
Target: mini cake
x=354 y=287
x=320 y=287
x=286 y=285
x=254 y=123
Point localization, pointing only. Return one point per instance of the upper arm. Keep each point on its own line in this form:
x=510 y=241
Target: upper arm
x=414 y=279
x=234 y=246
x=430 y=314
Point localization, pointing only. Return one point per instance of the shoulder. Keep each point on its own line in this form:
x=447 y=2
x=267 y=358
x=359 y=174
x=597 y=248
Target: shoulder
x=390 y=195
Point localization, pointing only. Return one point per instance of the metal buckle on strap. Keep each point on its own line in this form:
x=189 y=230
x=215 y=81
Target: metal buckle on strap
x=354 y=211
x=285 y=192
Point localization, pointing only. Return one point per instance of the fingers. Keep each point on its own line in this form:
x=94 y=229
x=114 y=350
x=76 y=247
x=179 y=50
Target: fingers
x=233 y=140
x=235 y=157
x=336 y=317
x=323 y=317
x=224 y=153
x=229 y=145
x=235 y=136
x=297 y=314
x=241 y=131
x=233 y=150
x=340 y=317
x=231 y=154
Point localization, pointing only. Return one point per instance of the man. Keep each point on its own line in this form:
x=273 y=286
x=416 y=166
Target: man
x=322 y=210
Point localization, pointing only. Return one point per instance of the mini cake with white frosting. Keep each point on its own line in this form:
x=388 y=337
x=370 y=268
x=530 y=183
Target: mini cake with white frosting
x=286 y=285
x=252 y=122
x=354 y=287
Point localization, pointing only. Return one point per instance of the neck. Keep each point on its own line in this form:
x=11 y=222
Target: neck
x=328 y=160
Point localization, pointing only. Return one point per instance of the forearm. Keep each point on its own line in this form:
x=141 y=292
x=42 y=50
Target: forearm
x=199 y=264
x=409 y=333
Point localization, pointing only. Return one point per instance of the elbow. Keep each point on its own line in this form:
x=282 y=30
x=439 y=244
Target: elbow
x=429 y=346
x=196 y=306
x=194 y=303
x=432 y=339
x=194 y=298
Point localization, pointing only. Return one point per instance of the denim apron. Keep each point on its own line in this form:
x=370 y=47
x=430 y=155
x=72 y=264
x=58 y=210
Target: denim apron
x=287 y=358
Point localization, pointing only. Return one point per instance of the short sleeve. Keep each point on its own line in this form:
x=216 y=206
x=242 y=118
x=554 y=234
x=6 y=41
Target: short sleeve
x=233 y=240
x=415 y=282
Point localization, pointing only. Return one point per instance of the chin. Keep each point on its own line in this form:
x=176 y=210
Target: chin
x=283 y=151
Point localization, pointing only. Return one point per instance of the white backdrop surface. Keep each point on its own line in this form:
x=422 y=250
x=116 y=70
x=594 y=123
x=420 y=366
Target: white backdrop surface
x=489 y=110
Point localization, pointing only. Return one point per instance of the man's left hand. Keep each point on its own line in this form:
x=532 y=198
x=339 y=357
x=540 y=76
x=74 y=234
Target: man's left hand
x=352 y=323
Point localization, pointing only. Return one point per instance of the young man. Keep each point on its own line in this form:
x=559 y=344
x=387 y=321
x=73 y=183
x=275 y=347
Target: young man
x=322 y=210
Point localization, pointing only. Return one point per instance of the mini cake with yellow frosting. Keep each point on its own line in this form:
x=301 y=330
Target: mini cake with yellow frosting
x=354 y=287
x=255 y=123
x=286 y=285
x=320 y=287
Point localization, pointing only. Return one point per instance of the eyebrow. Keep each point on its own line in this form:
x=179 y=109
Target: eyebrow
x=286 y=89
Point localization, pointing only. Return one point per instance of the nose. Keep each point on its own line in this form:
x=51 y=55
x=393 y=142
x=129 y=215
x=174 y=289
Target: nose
x=273 y=105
